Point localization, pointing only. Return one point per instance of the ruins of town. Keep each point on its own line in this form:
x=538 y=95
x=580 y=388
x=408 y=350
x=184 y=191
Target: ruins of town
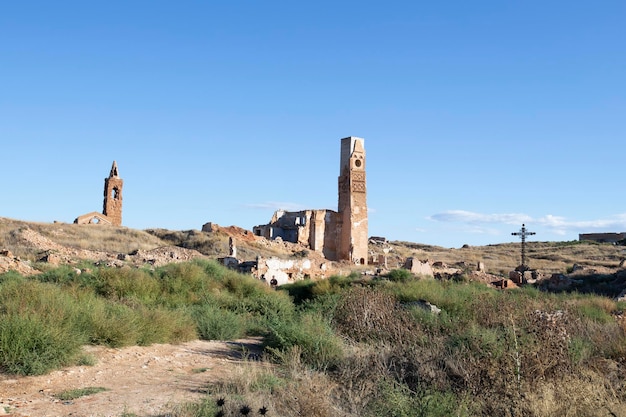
x=112 y=206
x=297 y=245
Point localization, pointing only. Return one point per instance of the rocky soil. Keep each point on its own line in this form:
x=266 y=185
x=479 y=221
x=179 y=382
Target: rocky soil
x=57 y=254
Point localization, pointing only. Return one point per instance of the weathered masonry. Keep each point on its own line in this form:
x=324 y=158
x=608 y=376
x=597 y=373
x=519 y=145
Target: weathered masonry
x=339 y=235
x=112 y=206
x=602 y=237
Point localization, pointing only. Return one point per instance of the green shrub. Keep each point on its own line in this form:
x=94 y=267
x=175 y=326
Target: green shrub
x=266 y=382
x=369 y=315
x=400 y=275
x=212 y=269
x=160 y=325
x=243 y=286
x=270 y=305
x=595 y=308
x=203 y=408
x=300 y=291
x=127 y=284
x=460 y=302
x=320 y=347
x=39 y=326
x=254 y=301
x=78 y=392
x=325 y=304
x=580 y=350
x=114 y=325
x=393 y=400
x=214 y=323
x=483 y=342
x=121 y=307
x=397 y=400
x=182 y=284
x=63 y=274
x=29 y=345
x=11 y=276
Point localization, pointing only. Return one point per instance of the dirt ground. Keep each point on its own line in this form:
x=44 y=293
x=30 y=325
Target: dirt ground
x=141 y=381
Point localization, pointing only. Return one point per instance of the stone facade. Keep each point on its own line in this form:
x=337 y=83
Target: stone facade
x=112 y=206
x=314 y=229
x=418 y=267
x=93 y=218
x=338 y=235
x=602 y=237
x=285 y=271
x=353 y=202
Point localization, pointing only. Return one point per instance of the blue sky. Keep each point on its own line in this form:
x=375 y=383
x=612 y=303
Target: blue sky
x=477 y=116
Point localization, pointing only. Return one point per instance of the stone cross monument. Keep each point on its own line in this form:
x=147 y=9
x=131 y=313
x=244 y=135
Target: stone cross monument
x=523 y=233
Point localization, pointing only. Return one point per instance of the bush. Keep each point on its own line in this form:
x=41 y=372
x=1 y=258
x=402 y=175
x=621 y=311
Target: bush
x=400 y=275
x=320 y=347
x=127 y=284
x=78 y=393
x=39 y=326
x=31 y=346
x=160 y=325
x=300 y=291
x=368 y=315
x=183 y=283
x=60 y=275
x=213 y=323
x=396 y=400
x=114 y=325
x=597 y=309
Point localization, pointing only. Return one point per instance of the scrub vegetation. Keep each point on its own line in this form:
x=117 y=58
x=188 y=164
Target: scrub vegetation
x=345 y=346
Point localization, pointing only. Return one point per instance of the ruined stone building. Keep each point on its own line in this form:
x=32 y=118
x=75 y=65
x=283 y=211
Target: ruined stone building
x=603 y=237
x=112 y=206
x=339 y=235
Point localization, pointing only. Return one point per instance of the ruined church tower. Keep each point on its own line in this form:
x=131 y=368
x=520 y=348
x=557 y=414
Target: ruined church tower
x=113 y=196
x=353 y=237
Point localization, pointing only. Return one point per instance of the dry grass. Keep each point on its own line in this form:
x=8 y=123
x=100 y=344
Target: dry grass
x=90 y=237
x=291 y=391
x=582 y=395
x=215 y=244
x=546 y=257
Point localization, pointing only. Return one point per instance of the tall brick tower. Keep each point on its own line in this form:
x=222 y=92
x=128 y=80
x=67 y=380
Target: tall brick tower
x=113 y=196
x=352 y=240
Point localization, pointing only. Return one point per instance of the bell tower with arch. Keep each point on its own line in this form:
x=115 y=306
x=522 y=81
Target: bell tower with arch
x=353 y=236
x=112 y=207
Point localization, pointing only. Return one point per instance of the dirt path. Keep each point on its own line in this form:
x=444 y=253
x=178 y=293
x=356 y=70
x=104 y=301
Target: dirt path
x=144 y=381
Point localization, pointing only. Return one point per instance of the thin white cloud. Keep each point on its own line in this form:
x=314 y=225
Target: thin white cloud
x=277 y=205
x=480 y=230
x=616 y=223
x=557 y=224
x=462 y=216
